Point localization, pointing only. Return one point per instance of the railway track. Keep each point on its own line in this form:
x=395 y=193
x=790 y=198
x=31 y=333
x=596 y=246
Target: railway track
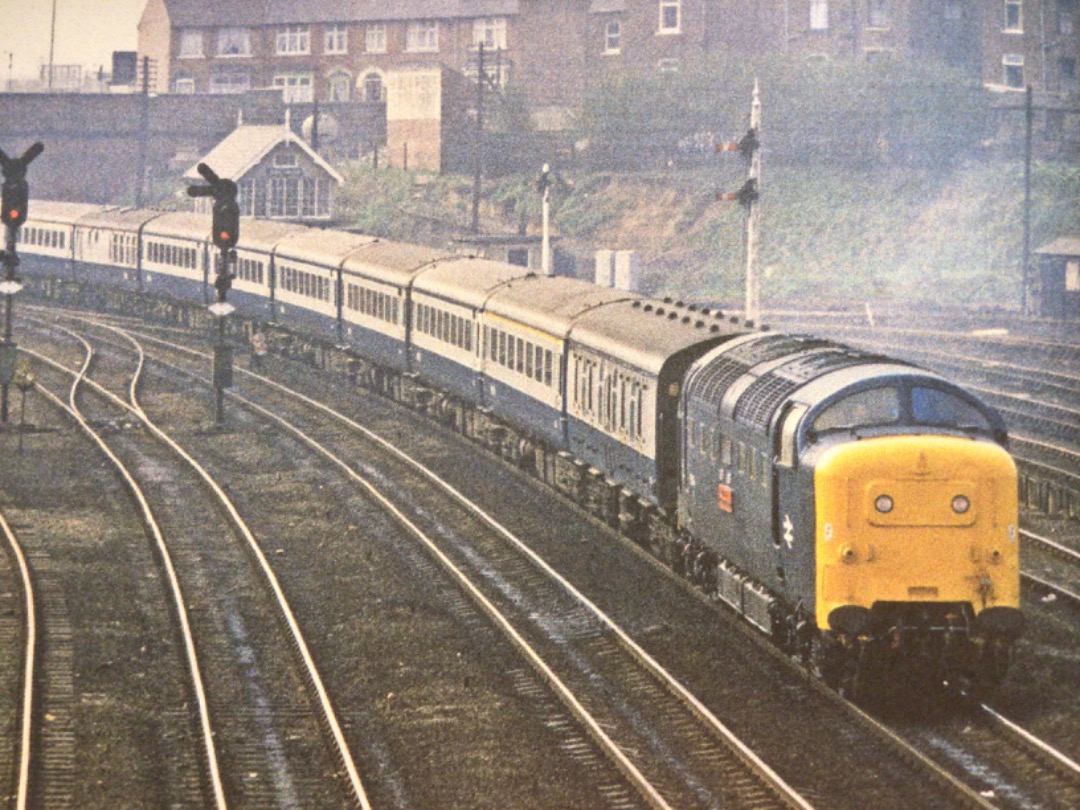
x=1051 y=566
x=236 y=655
x=572 y=627
x=1006 y=764
x=20 y=669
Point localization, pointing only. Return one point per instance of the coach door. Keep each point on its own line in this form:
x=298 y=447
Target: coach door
x=785 y=501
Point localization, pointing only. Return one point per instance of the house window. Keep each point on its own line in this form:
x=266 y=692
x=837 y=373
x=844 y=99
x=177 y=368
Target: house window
x=422 y=36
x=233 y=42
x=339 y=87
x=294 y=39
x=1067 y=71
x=373 y=86
x=1013 y=69
x=191 y=44
x=336 y=39
x=669 y=16
x=1072 y=275
x=375 y=39
x=878 y=13
x=296 y=87
x=1014 y=15
x=668 y=66
x=183 y=85
x=819 y=15
x=612 y=36
x=490 y=32
x=1066 y=17
x=230 y=80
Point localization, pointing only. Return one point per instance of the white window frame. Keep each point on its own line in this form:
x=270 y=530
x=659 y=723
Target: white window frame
x=232 y=85
x=191 y=44
x=668 y=66
x=880 y=10
x=336 y=39
x=666 y=7
x=491 y=31
x=422 y=36
x=339 y=79
x=297 y=87
x=613 y=37
x=234 y=42
x=362 y=84
x=375 y=38
x=1016 y=6
x=1012 y=60
x=293 y=40
x=819 y=15
x=184 y=86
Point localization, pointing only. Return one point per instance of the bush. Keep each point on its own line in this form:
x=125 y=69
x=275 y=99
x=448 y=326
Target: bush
x=844 y=112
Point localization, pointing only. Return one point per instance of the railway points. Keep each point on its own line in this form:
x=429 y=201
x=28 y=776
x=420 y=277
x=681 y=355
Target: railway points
x=591 y=492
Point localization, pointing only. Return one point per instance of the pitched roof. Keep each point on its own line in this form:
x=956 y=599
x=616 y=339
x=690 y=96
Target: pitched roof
x=209 y=13
x=1064 y=246
x=246 y=146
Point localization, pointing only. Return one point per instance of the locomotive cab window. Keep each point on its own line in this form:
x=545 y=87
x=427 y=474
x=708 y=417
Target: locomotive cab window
x=931 y=406
x=877 y=406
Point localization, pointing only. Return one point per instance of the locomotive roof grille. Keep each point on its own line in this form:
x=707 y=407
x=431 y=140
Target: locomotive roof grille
x=762 y=398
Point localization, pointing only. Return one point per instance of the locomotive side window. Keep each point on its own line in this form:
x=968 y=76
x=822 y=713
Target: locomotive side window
x=931 y=406
x=877 y=406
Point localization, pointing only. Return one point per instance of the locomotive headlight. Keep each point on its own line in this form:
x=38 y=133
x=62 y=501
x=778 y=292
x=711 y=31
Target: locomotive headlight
x=960 y=504
x=884 y=504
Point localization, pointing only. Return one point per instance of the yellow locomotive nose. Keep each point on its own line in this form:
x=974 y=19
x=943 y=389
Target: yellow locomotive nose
x=915 y=519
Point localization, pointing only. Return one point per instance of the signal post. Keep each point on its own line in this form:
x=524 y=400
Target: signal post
x=16 y=199
x=225 y=234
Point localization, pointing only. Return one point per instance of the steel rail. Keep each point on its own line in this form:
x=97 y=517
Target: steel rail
x=241 y=526
x=159 y=540
x=1060 y=760
x=22 y=788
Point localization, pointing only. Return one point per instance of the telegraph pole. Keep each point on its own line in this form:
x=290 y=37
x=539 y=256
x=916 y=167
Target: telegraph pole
x=478 y=143
x=753 y=219
x=1030 y=290
x=749 y=198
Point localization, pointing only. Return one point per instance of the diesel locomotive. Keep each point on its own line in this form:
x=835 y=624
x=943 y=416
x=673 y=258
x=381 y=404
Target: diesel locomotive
x=861 y=510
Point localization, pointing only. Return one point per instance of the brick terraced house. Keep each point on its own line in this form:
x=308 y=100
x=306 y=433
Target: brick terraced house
x=555 y=50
